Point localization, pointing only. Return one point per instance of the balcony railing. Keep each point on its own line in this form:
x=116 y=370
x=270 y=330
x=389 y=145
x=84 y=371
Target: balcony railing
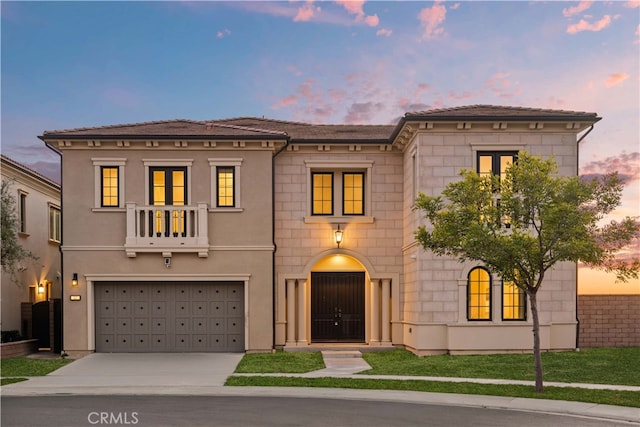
x=167 y=229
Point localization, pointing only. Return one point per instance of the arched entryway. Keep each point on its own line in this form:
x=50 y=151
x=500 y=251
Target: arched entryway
x=338 y=298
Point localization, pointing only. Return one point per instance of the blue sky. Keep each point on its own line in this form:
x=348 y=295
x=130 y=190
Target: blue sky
x=77 y=64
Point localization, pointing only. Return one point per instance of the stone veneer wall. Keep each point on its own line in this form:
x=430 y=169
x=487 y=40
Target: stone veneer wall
x=609 y=320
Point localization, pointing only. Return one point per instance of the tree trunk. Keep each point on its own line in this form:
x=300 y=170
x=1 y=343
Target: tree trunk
x=536 y=340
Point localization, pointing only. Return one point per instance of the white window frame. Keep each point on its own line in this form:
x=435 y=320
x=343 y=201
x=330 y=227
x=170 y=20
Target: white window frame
x=339 y=167
x=98 y=163
x=58 y=223
x=235 y=163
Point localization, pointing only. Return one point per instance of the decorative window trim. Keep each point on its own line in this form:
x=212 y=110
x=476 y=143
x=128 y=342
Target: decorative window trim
x=98 y=163
x=149 y=163
x=340 y=166
x=22 y=212
x=57 y=232
x=225 y=162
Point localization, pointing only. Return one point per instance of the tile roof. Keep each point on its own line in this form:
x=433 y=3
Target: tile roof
x=493 y=112
x=298 y=132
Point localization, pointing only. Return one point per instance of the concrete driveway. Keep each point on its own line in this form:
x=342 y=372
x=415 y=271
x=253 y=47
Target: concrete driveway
x=134 y=372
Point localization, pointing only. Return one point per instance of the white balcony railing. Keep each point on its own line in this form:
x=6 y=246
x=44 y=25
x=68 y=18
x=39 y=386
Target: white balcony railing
x=167 y=229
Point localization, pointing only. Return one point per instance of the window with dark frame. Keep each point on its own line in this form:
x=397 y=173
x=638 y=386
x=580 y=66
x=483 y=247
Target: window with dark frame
x=225 y=186
x=322 y=193
x=22 y=207
x=353 y=193
x=168 y=188
x=514 y=302
x=479 y=294
x=110 y=186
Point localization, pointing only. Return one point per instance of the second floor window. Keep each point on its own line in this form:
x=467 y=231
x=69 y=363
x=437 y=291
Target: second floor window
x=22 y=211
x=169 y=188
x=110 y=186
x=225 y=186
x=322 y=193
x=353 y=193
x=54 y=224
x=495 y=162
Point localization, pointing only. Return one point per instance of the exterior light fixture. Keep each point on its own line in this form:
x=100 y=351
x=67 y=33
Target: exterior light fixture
x=339 y=234
x=41 y=288
x=74 y=280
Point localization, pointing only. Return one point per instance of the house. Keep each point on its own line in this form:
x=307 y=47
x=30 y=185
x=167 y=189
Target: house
x=37 y=203
x=249 y=234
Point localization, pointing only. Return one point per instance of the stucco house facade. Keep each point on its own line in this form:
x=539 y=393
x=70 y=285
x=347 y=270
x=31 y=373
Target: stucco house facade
x=37 y=207
x=249 y=234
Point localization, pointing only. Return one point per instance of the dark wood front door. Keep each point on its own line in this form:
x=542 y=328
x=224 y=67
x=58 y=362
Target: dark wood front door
x=337 y=307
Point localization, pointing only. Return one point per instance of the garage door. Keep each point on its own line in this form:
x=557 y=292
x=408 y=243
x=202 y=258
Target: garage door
x=169 y=316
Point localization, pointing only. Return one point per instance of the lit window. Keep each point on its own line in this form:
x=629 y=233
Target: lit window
x=110 y=186
x=513 y=302
x=169 y=189
x=353 y=193
x=479 y=294
x=225 y=186
x=322 y=193
x=54 y=224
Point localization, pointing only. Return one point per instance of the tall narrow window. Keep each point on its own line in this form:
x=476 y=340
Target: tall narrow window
x=514 y=305
x=353 y=193
x=479 y=294
x=226 y=196
x=22 y=208
x=110 y=187
x=322 y=193
x=169 y=188
x=54 y=224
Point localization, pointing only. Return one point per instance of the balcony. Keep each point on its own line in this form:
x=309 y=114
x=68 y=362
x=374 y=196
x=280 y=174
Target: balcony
x=167 y=229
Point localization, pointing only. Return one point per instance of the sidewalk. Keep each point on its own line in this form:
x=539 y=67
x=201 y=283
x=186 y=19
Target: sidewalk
x=204 y=374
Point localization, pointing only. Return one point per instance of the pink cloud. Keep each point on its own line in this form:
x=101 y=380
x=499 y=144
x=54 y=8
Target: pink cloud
x=632 y=4
x=586 y=26
x=384 y=32
x=615 y=79
x=582 y=6
x=285 y=102
x=305 y=12
x=356 y=7
x=431 y=19
x=626 y=164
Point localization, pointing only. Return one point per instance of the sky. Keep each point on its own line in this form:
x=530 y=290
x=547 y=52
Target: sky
x=81 y=64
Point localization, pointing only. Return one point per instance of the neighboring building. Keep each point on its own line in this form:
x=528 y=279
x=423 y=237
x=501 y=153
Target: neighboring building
x=222 y=235
x=38 y=208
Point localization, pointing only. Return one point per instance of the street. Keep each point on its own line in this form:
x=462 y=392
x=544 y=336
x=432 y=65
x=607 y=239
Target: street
x=243 y=411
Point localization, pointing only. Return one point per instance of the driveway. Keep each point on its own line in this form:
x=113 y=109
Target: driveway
x=105 y=371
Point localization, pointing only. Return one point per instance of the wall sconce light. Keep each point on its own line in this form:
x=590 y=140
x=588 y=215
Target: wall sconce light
x=41 y=288
x=339 y=234
x=74 y=280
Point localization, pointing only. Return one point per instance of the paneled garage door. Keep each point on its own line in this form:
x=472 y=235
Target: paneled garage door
x=169 y=316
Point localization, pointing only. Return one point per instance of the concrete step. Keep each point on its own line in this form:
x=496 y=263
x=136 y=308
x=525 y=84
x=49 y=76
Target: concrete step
x=341 y=354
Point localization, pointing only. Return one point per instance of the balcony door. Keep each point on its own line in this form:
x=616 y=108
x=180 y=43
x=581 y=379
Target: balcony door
x=168 y=188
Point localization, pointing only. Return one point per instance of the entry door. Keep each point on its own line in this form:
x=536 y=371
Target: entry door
x=337 y=307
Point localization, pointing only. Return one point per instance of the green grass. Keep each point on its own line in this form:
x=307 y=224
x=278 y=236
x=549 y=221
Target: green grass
x=597 y=365
x=281 y=362
x=607 y=397
x=5 y=381
x=27 y=367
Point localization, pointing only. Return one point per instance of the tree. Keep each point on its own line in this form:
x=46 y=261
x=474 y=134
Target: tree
x=523 y=225
x=12 y=253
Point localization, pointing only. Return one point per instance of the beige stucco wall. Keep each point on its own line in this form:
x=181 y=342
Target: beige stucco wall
x=434 y=289
x=40 y=194
x=240 y=240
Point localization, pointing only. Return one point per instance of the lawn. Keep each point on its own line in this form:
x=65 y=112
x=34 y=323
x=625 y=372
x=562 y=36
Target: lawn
x=600 y=366
x=14 y=369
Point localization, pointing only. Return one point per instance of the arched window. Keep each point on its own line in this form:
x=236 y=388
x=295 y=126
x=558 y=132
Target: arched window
x=479 y=294
x=514 y=302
